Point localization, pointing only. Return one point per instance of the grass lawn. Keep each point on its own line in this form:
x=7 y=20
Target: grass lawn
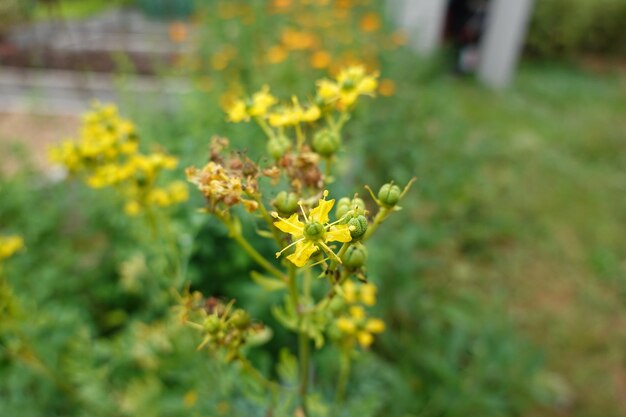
x=528 y=198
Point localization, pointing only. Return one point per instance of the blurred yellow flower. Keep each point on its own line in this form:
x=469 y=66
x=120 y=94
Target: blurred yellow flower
x=387 y=87
x=9 y=245
x=320 y=59
x=294 y=114
x=350 y=83
x=276 y=54
x=370 y=22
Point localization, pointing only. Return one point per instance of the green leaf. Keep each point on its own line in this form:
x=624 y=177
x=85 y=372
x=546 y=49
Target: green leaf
x=267 y=283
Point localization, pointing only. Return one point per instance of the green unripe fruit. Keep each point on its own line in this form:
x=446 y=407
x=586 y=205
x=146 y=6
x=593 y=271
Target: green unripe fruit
x=358 y=226
x=314 y=230
x=389 y=195
x=212 y=324
x=286 y=203
x=355 y=256
x=278 y=146
x=358 y=205
x=343 y=206
x=326 y=142
x=240 y=319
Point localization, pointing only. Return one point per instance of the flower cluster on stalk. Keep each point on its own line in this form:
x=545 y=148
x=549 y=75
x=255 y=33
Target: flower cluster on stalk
x=107 y=154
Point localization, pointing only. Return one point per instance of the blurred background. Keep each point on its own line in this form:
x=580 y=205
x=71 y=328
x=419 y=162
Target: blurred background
x=502 y=282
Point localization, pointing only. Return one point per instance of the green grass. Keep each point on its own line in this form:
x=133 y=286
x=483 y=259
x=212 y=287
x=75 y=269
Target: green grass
x=74 y=9
x=521 y=203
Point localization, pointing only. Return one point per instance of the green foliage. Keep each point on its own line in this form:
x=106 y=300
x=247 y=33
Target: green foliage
x=566 y=28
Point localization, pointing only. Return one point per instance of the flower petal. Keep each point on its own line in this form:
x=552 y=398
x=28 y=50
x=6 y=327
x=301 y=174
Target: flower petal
x=304 y=250
x=292 y=225
x=320 y=213
x=339 y=233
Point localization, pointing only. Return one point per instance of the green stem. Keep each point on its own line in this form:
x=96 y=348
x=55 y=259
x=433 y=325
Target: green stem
x=380 y=217
x=344 y=375
x=303 y=340
x=259 y=377
x=265 y=127
x=247 y=247
x=328 y=169
x=299 y=137
x=268 y=219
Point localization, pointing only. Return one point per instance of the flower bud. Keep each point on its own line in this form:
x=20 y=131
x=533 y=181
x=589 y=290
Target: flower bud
x=343 y=206
x=240 y=319
x=286 y=203
x=326 y=142
x=358 y=226
x=389 y=194
x=355 y=257
x=278 y=146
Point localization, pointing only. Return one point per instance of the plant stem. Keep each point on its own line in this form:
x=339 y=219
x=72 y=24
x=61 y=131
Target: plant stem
x=380 y=217
x=256 y=256
x=303 y=341
x=344 y=374
x=299 y=137
x=264 y=126
x=268 y=219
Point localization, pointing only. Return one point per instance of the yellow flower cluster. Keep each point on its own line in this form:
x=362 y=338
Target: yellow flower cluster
x=256 y=106
x=355 y=325
x=106 y=154
x=349 y=84
x=9 y=245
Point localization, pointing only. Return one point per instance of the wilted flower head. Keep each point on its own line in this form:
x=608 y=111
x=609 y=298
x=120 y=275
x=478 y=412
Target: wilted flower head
x=219 y=187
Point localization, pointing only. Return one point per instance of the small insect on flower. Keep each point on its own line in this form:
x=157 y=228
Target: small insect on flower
x=314 y=233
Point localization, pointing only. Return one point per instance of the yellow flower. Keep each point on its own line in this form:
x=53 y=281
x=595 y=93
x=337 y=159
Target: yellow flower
x=132 y=208
x=365 y=338
x=349 y=292
x=314 y=233
x=346 y=325
x=368 y=294
x=9 y=245
x=261 y=102
x=276 y=54
x=256 y=106
x=236 y=112
x=351 y=83
x=294 y=114
x=387 y=87
x=375 y=326
x=320 y=59
x=370 y=22
x=365 y=293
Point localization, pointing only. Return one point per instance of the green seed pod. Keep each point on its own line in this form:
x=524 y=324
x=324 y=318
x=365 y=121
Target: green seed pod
x=389 y=194
x=277 y=146
x=212 y=324
x=314 y=230
x=358 y=226
x=343 y=206
x=286 y=203
x=358 y=205
x=355 y=257
x=326 y=142
x=240 y=319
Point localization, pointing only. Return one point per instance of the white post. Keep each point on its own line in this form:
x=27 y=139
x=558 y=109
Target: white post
x=423 y=20
x=502 y=42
